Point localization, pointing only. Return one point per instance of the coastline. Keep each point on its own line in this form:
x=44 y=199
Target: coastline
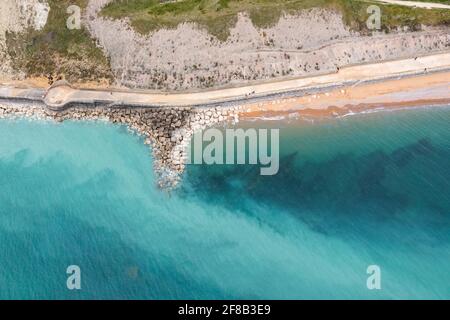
x=168 y=121
x=415 y=91
x=61 y=95
x=168 y=131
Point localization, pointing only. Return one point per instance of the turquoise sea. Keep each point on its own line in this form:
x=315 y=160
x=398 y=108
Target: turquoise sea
x=370 y=189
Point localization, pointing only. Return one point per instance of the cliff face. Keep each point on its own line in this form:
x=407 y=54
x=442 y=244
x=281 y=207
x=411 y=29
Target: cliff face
x=36 y=43
x=314 y=41
x=310 y=42
x=17 y=15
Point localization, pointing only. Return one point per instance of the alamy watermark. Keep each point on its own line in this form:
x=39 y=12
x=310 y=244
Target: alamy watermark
x=73 y=22
x=74 y=279
x=237 y=146
x=374 y=20
x=374 y=279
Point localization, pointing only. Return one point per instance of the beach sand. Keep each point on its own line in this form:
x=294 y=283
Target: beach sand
x=421 y=90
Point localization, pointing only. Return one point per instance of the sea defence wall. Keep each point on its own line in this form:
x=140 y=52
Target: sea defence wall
x=167 y=130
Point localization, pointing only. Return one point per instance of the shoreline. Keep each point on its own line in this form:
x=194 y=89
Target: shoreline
x=415 y=91
x=62 y=95
x=168 y=128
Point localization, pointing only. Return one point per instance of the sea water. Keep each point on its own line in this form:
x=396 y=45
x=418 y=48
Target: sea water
x=365 y=190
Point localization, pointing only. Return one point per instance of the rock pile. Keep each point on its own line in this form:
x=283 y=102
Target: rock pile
x=167 y=130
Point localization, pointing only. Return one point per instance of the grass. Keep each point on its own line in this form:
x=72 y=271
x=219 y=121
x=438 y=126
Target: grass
x=57 y=52
x=218 y=16
x=437 y=1
x=393 y=16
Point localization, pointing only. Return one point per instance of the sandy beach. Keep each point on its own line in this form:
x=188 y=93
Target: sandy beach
x=420 y=90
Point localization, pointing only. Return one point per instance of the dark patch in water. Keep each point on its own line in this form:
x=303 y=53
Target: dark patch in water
x=403 y=156
x=328 y=196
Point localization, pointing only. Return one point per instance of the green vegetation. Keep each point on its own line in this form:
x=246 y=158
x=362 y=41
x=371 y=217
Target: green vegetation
x=437 y=1
x=393 y=16
x=217 y=16
x=57 y=52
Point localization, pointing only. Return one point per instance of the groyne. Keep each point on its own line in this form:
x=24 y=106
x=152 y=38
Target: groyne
x=167 y=130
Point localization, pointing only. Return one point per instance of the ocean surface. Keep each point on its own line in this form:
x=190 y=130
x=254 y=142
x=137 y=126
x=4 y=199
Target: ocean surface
x=371 y=189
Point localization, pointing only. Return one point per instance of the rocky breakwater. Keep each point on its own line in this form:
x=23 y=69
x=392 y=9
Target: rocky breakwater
x=168 y=130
